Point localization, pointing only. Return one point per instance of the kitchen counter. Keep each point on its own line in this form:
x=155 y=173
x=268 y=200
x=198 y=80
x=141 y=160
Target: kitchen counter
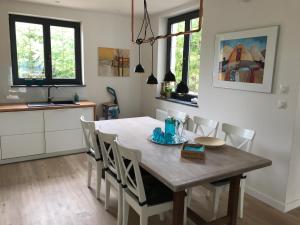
x=16 y=107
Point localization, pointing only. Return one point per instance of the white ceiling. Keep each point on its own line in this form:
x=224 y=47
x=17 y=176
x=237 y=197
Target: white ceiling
x=115 y=6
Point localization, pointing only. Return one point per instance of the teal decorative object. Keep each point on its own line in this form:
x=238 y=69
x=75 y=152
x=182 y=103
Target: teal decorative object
x=171 y=136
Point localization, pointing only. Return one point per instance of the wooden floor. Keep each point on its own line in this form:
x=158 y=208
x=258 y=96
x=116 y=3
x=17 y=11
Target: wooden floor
x=54 y=192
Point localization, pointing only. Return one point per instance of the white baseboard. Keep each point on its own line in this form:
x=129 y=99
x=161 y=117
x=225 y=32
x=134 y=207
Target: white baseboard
x=266 y=199
x=292 y=205
x=41 y=156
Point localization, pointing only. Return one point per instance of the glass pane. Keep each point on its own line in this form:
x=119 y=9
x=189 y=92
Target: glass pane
x=177 y=44
x=30 y=50
x=63 y=52
x=194 y=58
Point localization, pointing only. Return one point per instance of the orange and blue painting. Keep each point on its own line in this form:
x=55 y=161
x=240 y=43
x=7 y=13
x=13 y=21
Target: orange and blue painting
x=113 y=62
x=243 y=60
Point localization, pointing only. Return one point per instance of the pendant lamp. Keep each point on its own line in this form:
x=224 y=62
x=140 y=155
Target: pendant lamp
x=169 y=77
x=152 y=79
x=139 y=68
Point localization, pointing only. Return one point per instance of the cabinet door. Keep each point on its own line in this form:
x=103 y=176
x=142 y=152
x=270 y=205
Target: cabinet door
x=66 y=119
x=59 y=141
x=12 y=123
x=22 y=145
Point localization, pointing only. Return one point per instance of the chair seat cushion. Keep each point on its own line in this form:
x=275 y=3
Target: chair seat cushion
x=156 y=192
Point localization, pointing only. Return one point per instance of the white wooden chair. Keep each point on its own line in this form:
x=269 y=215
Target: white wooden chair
x=112 y=170
x=241 y=139
x=93 y=152
x=205 y=127
x=145 y=194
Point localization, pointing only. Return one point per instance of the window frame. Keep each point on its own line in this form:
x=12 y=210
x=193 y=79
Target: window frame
x=46 y=23
x=186 y=17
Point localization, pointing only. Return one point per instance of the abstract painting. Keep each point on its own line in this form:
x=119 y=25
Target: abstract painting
x=113 y=62
x=245 y=60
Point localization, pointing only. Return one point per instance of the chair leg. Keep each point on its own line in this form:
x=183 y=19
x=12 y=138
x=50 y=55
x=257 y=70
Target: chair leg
x=189 y=196
x=125 y=211
x=99 y=178
x=216 y=201
x=162 y=217
x=120 y=203
x=107 y=193
x=241 y=202
x=89 y=173
x=143 y=219
x=186 y=205
x=207 y=194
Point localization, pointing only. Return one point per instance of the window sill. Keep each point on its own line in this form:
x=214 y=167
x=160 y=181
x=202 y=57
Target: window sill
x=35 y=86
x=178 y=101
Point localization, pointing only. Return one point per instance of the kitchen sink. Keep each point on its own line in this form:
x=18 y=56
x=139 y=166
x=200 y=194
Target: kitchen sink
x=49 y=104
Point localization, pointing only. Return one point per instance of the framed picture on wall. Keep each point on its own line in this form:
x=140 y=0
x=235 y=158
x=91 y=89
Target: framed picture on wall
x=113 y=62
x=245 y=60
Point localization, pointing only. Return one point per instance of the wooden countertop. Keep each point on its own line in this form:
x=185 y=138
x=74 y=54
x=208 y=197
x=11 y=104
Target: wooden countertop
x=16 y=107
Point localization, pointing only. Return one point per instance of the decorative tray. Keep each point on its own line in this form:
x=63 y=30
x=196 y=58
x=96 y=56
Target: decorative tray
x=176 y=141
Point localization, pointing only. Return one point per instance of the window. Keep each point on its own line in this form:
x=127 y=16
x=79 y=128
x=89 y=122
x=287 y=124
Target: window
x=183 y=52
x=45 y=51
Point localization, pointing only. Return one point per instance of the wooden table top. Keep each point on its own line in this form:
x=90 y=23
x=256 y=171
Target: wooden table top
x=165 y=162
x=23 y=106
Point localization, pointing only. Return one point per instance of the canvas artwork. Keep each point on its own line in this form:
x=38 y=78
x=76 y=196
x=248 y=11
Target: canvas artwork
x=113 y=62
x=245 y=60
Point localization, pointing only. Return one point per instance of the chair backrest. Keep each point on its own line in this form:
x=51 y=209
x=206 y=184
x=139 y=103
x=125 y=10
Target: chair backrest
x=161 y=115
x=130 y=171
x=238 y=137
x=206 y=127
x=109 y=153
x=90 y=136
x=177 y=115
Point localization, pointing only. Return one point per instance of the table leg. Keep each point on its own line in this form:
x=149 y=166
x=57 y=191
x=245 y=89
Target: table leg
x=233 y=199
x=178 y=207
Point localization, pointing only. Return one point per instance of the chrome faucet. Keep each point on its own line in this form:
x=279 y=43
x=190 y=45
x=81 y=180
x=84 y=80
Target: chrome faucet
x=49 y=93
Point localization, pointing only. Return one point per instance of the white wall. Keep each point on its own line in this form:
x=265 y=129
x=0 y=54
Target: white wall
x=98 y=30
x=293 y=191
x=274 y=127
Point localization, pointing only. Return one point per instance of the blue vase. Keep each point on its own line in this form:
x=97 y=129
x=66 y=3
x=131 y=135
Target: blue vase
x=170 y=126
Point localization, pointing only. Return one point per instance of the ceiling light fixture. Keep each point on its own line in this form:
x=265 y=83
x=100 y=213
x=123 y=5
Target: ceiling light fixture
x=142 y=38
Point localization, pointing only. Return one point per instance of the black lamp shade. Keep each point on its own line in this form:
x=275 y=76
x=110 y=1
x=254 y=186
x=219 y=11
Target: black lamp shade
x=152 y=79
x=139 y=69
x=170 y=77
x=182 y=88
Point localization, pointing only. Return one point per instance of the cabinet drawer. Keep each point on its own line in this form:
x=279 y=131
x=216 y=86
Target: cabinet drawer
x=21 y=122
x=59 y=141
x=22 y=145
x=66 y=119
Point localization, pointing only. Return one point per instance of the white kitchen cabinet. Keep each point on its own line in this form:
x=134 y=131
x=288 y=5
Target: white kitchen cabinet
x=65 y=140
x=12 y=123
x=22 y=145
x=66 y=119
x=63 y=130
x=41 y=133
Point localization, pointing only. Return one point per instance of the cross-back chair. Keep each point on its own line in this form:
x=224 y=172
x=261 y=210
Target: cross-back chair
x=93 y=152
x=112 y=169
x=205 y=127
x=145 y=194
x=241 y=139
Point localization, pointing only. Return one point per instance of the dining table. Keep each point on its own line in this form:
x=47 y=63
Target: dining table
x=165 y=163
